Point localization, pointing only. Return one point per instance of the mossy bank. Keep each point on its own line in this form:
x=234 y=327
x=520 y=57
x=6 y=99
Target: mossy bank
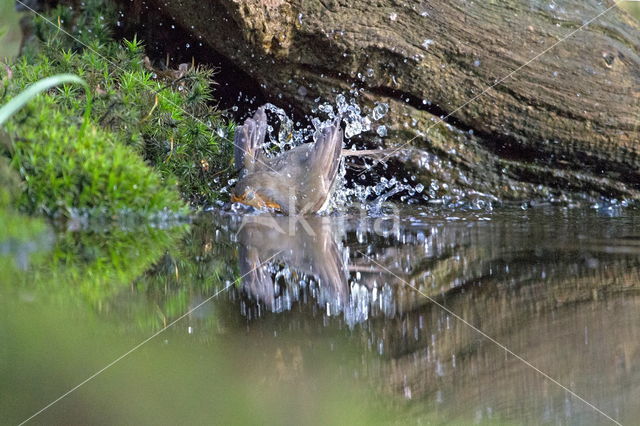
x=153 y=142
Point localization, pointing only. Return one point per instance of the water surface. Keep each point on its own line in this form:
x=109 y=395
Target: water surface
x=331 y=320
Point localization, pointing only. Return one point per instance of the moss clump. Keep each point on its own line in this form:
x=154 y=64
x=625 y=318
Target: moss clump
x=10 y=185
x=66 y=171
x=165 y=115
x=141 y=117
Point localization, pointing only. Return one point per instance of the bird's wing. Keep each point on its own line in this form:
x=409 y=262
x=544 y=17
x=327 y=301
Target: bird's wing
x=248 y=140
x=324 y=158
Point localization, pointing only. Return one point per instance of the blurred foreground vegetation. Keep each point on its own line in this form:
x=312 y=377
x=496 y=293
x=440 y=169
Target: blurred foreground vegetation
x=177 y=378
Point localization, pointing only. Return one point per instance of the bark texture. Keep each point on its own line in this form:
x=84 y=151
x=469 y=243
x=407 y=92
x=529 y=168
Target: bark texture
x=535 y=103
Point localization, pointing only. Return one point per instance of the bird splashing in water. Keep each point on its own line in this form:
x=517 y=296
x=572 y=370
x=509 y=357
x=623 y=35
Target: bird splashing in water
x=299 y=181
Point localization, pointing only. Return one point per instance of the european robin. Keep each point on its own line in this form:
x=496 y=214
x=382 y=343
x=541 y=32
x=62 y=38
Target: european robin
x=299 y=181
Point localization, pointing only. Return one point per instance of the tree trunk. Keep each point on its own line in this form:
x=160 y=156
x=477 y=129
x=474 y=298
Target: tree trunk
x=534 y=103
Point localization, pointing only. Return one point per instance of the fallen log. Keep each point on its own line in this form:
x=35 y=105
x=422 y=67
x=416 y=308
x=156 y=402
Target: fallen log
x=522 y=99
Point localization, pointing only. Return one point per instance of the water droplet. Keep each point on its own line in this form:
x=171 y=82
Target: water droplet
x=379 y=111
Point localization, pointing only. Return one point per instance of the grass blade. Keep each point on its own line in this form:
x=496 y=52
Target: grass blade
x=38 y=87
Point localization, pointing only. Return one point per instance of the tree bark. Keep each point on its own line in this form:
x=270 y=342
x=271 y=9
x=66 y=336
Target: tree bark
x=537 y=98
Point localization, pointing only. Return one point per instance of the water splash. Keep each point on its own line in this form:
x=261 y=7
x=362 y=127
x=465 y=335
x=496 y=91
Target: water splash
x=285 y=134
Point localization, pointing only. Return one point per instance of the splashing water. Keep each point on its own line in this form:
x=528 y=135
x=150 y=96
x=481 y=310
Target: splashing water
x=357 y=121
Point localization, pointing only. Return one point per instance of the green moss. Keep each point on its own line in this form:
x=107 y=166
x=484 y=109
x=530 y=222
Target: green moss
x=166 y=115
x=10 y=184
x=150 y=134
x=64 y=171
x=142 y=119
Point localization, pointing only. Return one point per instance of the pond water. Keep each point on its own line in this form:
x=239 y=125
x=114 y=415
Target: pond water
x=498 y=317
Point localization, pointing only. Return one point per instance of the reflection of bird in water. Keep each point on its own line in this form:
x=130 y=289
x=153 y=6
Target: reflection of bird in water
x=297 y=182
x=309 y=248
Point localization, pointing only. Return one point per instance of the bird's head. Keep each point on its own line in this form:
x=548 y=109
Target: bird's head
x=247 y=191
